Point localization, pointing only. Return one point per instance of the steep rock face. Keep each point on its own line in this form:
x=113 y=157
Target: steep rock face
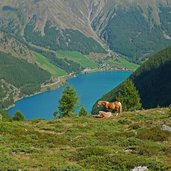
x=72 y=14
x=11 y=45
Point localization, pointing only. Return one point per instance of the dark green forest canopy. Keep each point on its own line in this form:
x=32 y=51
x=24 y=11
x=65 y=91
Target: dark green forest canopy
x=135 y=36
x=67 y=39
x=152 y=80
x=20 y=73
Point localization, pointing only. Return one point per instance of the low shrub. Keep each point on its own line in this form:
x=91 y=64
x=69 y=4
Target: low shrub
x=22 y=148
x=87 y=152
x=135 y=126
x=67 y=168
x=148 y=149
x=128 y=142
x=155 y=134
x=120 y=162
x=124 y=121
x=169 y=111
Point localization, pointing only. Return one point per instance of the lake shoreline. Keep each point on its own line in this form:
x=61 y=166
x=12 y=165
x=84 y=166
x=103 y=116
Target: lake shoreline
x=89 y=88
x=63 y=80
x=48 y=87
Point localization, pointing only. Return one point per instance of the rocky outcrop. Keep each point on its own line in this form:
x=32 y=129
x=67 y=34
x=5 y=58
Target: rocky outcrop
x=166 y=128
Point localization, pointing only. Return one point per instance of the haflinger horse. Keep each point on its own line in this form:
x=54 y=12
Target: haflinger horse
x=111 y=105
x=103 y=114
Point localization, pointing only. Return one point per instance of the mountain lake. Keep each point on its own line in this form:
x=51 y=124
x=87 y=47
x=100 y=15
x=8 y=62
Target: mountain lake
x=89 y=87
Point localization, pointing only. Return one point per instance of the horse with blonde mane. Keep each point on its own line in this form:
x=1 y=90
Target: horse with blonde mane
x=111 y=105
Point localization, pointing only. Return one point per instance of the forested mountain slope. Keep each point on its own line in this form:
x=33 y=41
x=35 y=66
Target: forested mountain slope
x=135 y=28
x=18 y=78
x=152 y=80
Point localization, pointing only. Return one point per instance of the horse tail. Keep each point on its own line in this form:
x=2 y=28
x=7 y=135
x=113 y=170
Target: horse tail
x=120 y=107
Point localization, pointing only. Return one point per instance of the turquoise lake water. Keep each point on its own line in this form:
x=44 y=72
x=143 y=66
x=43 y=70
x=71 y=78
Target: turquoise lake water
x=89 y=87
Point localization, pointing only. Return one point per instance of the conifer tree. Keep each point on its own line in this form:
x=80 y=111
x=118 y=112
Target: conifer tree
x=18 y=116
x=55 y=115
x=68 y=101
x=129 y=96
x=83 y=112
x=5 y=116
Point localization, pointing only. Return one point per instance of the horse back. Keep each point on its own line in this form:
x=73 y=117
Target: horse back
x=116 y=105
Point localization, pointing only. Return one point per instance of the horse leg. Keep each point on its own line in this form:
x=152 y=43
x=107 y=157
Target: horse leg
x=109 y=110
x=117 y=112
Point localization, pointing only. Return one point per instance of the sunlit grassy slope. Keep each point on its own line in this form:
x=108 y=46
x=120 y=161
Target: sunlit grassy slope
x=86 y=143
x=122 y=62
x=79 y=58
x=43 y=62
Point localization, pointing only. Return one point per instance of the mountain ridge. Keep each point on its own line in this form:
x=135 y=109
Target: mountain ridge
x=94 y=19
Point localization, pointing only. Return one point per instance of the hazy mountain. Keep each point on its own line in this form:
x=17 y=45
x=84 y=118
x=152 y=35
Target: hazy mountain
x=62 y=20
x=152 y=81
x=134 y=28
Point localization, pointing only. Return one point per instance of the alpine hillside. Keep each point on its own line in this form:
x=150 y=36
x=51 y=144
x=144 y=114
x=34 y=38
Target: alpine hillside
x=120 y=143
x=152 y=81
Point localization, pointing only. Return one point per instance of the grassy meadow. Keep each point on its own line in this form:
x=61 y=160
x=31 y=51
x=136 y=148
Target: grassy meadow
x=121 y=62
x=44 y=63
x=78 y=58
x=85 y=143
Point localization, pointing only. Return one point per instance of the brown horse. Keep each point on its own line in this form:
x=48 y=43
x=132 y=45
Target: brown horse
x=111 y=105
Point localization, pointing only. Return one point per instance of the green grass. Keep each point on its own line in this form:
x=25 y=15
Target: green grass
x=78 y=57
x=119 y=143
x=43 y=62
x=129 y=65
x=122 y=62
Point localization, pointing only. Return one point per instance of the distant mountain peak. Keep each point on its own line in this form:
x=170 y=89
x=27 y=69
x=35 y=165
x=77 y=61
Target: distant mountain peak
x=112 y=23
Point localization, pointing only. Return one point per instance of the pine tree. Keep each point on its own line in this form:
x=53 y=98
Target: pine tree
x=83 y=112
x=68 y=102
x=55 y=115
x=5 y=115
x=129 y=96
x=18 y=116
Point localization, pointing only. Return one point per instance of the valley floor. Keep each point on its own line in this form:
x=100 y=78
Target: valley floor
x=86 y=143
